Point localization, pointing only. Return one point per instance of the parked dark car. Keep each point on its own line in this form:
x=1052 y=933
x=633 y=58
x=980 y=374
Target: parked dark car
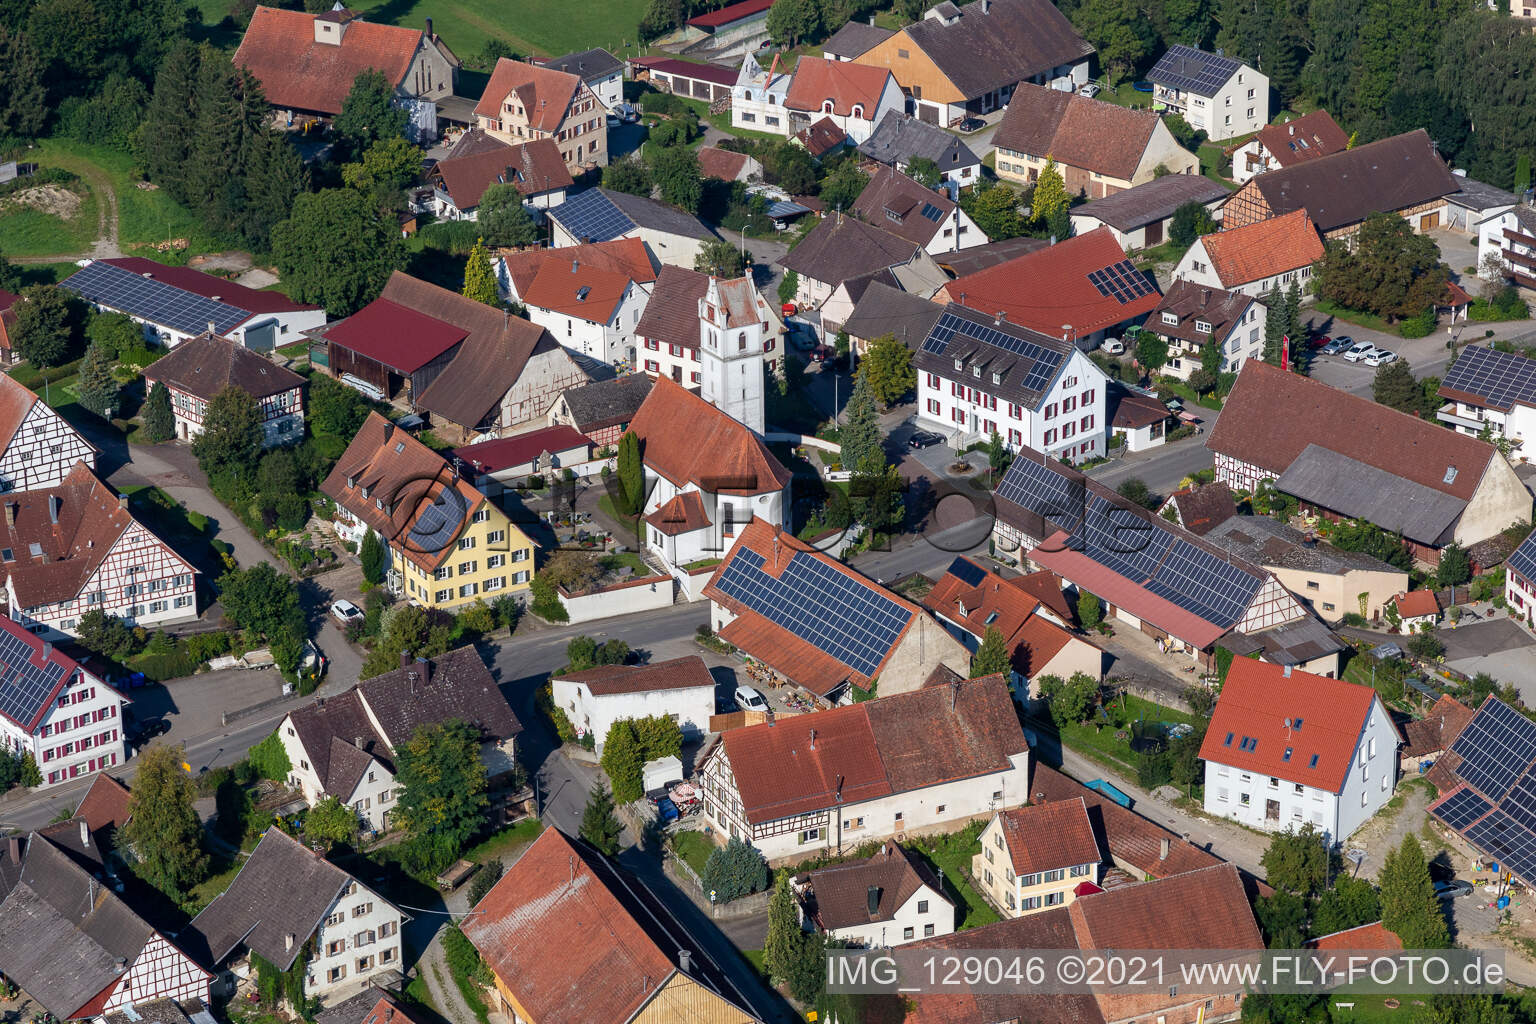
x=147 y=731
x=823 y=353
x=924 y=439
x=972 y=124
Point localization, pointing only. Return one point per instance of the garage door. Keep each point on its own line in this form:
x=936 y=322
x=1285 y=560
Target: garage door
x=1429 y=221
x=928 y=112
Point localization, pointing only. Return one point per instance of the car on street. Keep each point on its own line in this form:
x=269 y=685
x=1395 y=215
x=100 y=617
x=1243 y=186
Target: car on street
x=1336 y=345
x=972 y=124
x=346 y=613
x=749 y=699
x=924 y=439
x=1358 y=351
x=1090 y=90
x=1113 y=346
x=823 y=353
x=1379 y=357
x=1453 y=889
x=146 y=731
x=1320 y=341
x=789 y=309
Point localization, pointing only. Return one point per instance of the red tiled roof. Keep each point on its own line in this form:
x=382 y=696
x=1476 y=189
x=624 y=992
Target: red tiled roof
x=683 y=514
x=1263 y=249
x=16 y=401
x=1076 y=131
x=577 y=290
x=521 y=449
x=688 y=440
x=1438 y=729
x=730 y=13
x=674 y=674
x=1304 y=138
x=299 y=73
x=1032 y=639
x=532 y=167
x=845 y=83
x=624 y=256
x=198 y=283
x=1045 y=837
x=1417 y=602
x=1046 y=587
x=394 y=335
x=1049 y=287
x=544 y=93
x=720 y=163
x=713 y=73
x=820 y=138
x=1259 y=702
x=1203 y=909
x=105 y=803
x=1366 y=936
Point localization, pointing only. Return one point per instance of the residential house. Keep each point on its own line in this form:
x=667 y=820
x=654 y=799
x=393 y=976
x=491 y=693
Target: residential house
x=707 y=82
x=1329 y=580
x=1255 y=259
x=819 y=624
x=1474 y=203
x=895 y=203
x=855 y=96
x=1200 y=508
x=1037 y=857
x=289 y=904
x=1348 y=457
x=1052 y=517
x=899 y=138
x=1193 y=316
x=1215 y=94
x=971 y=601
x=707 y=476
x=741 y=27
x=40 y=446
x=854 y=39
x=1099 y=148
x=1419 y=610
x=73 y=946
x=724 y=165
x=600 y=215
x=74 y=547
x=602 y=409
x=196 y=371
x=306 y=64
x=516 y=269
x=598 y=69
x=1520 y=581
x=1138 y=418
x=591 y=309
x=919 y=279
x=177 y=303
x=1290 y=748
x=964 y=60
x=345 y=745
x=373 y=1005
x=980 y=374
x=757 y=97
x=449 y=545
x=1142 y=216
x=723 y=336
x=980 y=257
x=475 y=370
x=561 y=896
x=820 y=140
x=1510 y=236
x=1426 y=739
x=511 y=460
x=1275 y=146
x=1403 y=174
x=1082 y=289
x=924 y=760
x=535 y=168
x=843 y=247
x=877 y=902
x=680 y=689
x=524 y=101
x=884 y=309
x=67 y=718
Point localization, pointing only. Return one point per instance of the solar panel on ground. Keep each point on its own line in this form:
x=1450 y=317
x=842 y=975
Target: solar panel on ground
x=24 y=688
x=592 y=215
x=1462 y=808
x=1501 y=378
x=153 y=300
x=967 y=571
x=1507 y=841
x=1495 y=748
x=821 y=605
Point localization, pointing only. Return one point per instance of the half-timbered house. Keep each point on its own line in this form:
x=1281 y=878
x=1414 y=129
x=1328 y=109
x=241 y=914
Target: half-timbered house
x=195 y=371
x=40 y=447
x=67 y=718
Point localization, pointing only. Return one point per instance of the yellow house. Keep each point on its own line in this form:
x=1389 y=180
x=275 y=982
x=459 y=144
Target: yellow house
x=1037 y=857
x=449 y=545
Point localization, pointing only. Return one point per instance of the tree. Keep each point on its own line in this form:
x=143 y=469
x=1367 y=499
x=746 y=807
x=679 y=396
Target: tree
x=114 y=333
x=330 y=823
x=790 y=167
x=999 y=458
x=371 y=554
x=784 y=932
x=1347 y=903
x=631 y=474
x=995 y=211
x=1203 y=381
x=23 y=102
x=1151 y=351
x=789 y=284
x=441 y=794
x=1070 y=700
x=861 y=435
x=97 y=387
x=269 y=759
x=10 y=277
x=48 y=327
x=1190 y=221
x=163 y=829
x=335 y=250
x=720 y=258
x=408 y=629
x=842 y=188
x=991 y=655
x=504 y=220
x=1088 y=610
x=1283 y=919
x=624 y=761
x=659 y=736
x=1050 y=195
x=479 y=278
x=1274 y=325
x=599 y=825
x=387 y=168
x=105 y=634
x=262 y=600
x=676 y=170
x=485 y=880
x=232 y=433
x=924 y=171
x=1135 y=490
x=874 y=493
x=630 y=176
x=1394 y=387
x=1294 y=328
x=1118 y=31
x=790 y=21
x=887 y=367
x=1297 y=861
x=733 y=871
x=368 y=114
x=1455 y=566
x=1408 y=904
x=1390 y=271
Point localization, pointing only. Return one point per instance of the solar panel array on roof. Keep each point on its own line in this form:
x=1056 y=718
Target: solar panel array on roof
x=1507 y=841
x=439 y=522
x=1502 y=378
x=1495 y=748
x=1120 y=281
x=967 y=572
x=1043 y=362
x=1523 y=560
x=1190 y=70
x=152 y=300
x=24 y=688
x=1060 y=499
x=849 y=620
x=592 y=216
x=932 y=212
x=1462 y=808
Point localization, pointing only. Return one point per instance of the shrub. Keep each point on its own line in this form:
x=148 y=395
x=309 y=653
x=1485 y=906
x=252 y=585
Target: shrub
x=270 y=760
x=733 y=871
x=546 y=602
x=455 y=237
x=1356 y=619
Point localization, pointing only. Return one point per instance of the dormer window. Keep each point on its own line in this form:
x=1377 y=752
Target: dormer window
x=959 y=364
x=351 y=482
x=826 y=106
x=365 y=492
x=975 y=371
x=1171 y=319
x=997 y=378
x=1202 y=327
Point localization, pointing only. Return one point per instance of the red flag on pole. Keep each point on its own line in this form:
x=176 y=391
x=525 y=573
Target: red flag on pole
x=1285 y=352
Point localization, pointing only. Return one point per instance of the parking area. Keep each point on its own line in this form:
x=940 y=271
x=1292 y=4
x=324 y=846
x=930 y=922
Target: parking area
x=1499 y=646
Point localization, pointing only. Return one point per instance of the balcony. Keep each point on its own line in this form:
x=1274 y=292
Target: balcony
x=1447 y=414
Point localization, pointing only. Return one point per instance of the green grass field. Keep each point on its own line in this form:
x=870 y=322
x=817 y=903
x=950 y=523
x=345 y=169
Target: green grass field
x=544 y=27
x=694 y=848
x=1100 y=741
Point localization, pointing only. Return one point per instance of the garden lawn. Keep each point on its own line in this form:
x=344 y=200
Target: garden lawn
x=630 y=524
x=505 y=841
x=694 y=848
x=547 y=27
x=1100 y=740
x=25 y=231
x=1356 y=317
x=952 y=854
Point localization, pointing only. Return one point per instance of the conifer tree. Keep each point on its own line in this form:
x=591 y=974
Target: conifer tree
x=479 y=278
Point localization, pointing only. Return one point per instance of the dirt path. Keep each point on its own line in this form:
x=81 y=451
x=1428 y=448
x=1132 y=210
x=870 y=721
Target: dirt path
x=106 y=245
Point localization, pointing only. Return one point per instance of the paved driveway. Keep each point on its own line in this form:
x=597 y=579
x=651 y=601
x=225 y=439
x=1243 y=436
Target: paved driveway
x=1500 y=647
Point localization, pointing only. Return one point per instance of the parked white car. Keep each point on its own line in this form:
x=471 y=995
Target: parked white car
x=1379 y=357
x=1358 y=351
x=1113 y=346
x=749 y=699
x=346 y=613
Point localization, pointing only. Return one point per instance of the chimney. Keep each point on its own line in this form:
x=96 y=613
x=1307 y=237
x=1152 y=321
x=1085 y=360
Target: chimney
x=10 y=513
x=122 y=502
x=1287 y=671
x=357 y=741
x=53 y=509
x=212 y=329
x=1205 y=295
x=13 y=849
x=1164 y=848
x=389 y=431
x=574 y=265
x=871 y=21
x=685 y=961
x=1290 y=129
x=954 y=695
x=426 y=669
x=287 y=942
x=813 y=739
x=430 y=34
x=769 y=713
x=873 y=895
x=405 y=659
x=47 y=649
x=986 y=6
x=85 y=834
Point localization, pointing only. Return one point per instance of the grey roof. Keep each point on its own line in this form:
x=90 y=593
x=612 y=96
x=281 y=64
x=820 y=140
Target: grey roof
x=156 y=1011
x=839 y=895
x=283 y=890
x=855 y=38
x=1362 y=491
x=996 y=43
x=841 y=247
x=588 y=65
x=599 y=206
x=452 y=686
x=980 y=257
x=1018 y=364
x=1267 y=541
x=885 y=310
x=606 y=403
x=1292 y=643
x=1190 y=70
x=900 y=137
x=1480 y=196
x=340 y=740
x=1151 y=201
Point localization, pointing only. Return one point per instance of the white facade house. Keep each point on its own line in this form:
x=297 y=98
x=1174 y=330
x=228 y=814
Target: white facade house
x=757 y=98
x=1520 y=581
x=41 y=447
x=970 y=389
x=855 y=97
x=592 y=321
x=880 y=902
x=70 y=721
x=1255 y=259
x=195 y=371
x=1510 y=236
x=1288 y=748
x=1216 y=94
x=1193 y=316
x=680 y=689
x=1486 y=389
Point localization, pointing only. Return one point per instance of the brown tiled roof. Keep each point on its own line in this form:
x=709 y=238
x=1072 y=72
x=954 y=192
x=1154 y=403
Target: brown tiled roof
x=371 y=1006
x=996 y=43
x=839 y=895
x=1050 y=836
x=16 y=401
x=451 y=686
x=1387 y=175
x=671 y=315
x=207 y=364
x=842 y=247
x=625 y=256
x=1133 y=409
x=296 y=72
x=1190 y=302
x=895 y=203
x=1366 y=936
x=992 y=604
x=674 y=674
x=105 y=803
x=1204 y=508
x=821 y=138
x=533 y=167
x=1417 y=602
x=684 y=513
x=1315 y=414
x=1304 y=138
x=979 y=257
x=1202 y=909
x=845 y=83
x=1438 y=729
x=543 y=93
x=720 y=163
x=1263 y=249
x=1046 y=587
x=1078 y=132
x=577 y=290
x=688 y=440
x=340 y=739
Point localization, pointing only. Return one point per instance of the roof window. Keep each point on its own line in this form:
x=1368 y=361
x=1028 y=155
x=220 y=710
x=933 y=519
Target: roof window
x=1203 y=326
x=1228 y=741
x=1287 y=755
x=1248 y=744
x=399 y=447
x=1450 y=474
x=1313 y=762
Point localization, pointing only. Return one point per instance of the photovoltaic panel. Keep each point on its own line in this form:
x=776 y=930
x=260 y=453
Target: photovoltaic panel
x=967 y=572
x=933 y=213
x=1059 y=499
x=840 y=616
x=1043 y=361
x=1501 y=378
x=592 y=215
x=1523 y=560
x=1190 y=70
x=1495 y=748
x=439 y=522
x=1507 y=841
x=25 y=689
x=1120 y=281
x=153 y=300
x=1520 y=803
x=1462 y=808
